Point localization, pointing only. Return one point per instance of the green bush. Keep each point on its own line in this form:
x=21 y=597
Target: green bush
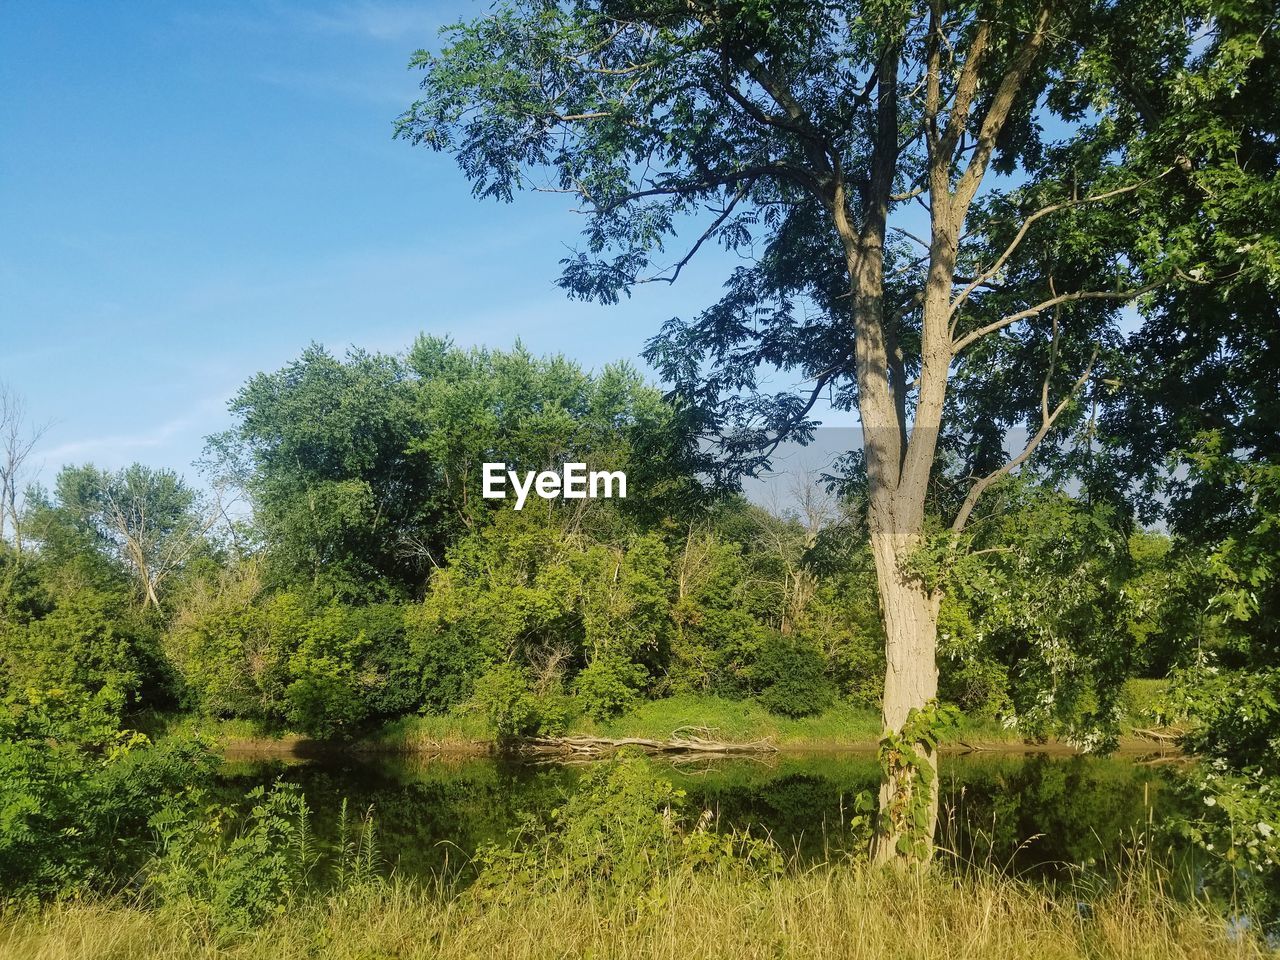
x=236 y=869
x=791 y=677
x=76 y=793
x=609 y=685
x=621 y=831
x=324 y=670
x=1145 y=702
x=326 y=696
x=444 y=661
x=233 y=866
x=977 y=685
x=513 y=709
x=391 y=676
x=1231 y=818
x=84 y=643
x=234 y=662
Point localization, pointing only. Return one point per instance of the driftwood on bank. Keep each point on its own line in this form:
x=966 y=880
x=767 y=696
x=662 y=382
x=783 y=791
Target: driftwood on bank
x=1166 y=736
x=685 y=741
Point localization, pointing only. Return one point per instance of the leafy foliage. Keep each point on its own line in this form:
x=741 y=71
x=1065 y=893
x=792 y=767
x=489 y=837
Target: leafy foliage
x=364 y=471
x=1228 y=690
x=235 y=870
x=622 y=831
x=791 y=677
x=76 y=793
x=1039 y=597
x=512 y=707
x=907 y=760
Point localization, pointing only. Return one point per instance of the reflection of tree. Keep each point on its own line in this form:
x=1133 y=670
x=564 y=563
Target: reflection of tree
x=1078 y=809
x=426 y=818
x=1038 y=811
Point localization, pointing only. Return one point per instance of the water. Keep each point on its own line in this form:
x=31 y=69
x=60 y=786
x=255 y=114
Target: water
x=1030 y=813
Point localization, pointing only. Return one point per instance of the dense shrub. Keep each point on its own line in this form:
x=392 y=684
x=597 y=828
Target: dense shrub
x=979 y=686
x=323 y=669
x=609 y=685
x=790 y=677
x=623 y=829
x=233 y=867
x=232 y=660
x=84 y=642
x=512 y=707
x=76 y=793
x=1040 y=590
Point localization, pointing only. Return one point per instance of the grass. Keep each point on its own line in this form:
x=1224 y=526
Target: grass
x=1143 y=700
x=827 y=913
x=739 y=721
x=839 y=726
x=156 y=724
x=458 y=728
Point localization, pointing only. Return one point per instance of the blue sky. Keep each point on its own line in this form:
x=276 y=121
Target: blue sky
x=191 y=193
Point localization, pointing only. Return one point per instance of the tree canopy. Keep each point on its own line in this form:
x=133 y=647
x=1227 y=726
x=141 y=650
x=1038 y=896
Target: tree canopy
x=942 y=211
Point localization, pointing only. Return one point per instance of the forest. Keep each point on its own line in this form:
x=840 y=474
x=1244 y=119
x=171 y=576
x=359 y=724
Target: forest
x=1034 y=248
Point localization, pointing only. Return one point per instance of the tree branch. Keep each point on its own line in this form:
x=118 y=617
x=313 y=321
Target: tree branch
x=706 y=235
x=1000 y=261
x=1047 y=419
x=1056 y=300
x=998 y=111
x=781 y=170
x=966 y=89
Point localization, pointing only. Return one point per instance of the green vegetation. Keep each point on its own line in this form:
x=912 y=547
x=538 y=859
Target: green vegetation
x=936 y=216
x=735 y=721
x=1063 y=521
x=627 y=867
x=689 y=610
x=832 y=913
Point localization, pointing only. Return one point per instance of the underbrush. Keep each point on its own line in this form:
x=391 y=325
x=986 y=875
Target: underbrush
x=625 y=867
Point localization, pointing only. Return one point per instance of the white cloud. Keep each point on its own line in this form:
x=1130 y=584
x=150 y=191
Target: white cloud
x=87 y=448
x=377 y=21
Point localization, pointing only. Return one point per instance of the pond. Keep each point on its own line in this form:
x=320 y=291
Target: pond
x=1037 y=813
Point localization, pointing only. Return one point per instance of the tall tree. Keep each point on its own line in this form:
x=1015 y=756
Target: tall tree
x=942 y=207
x=364 y=470
x=148 y=522
x=18 y=438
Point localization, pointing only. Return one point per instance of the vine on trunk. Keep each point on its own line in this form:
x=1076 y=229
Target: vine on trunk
x=905 y=761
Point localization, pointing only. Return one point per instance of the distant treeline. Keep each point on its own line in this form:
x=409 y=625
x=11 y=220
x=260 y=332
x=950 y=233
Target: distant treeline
x=370 y=579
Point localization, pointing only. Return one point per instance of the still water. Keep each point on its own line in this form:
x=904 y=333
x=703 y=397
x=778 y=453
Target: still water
x=1033 y=812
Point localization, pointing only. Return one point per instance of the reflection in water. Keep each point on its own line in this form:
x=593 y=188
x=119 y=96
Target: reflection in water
x=1037 y=812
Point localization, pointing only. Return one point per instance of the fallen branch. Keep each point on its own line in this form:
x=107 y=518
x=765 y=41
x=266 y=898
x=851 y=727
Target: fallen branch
x=681 y=743
x=1160 y=736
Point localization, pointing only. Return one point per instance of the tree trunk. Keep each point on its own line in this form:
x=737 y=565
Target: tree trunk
x=910 y=616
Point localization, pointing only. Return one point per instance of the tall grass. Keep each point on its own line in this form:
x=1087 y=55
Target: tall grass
x=830 y=912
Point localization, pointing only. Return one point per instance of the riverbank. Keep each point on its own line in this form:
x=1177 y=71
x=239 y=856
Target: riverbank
x=825 y=914
x=839 y=728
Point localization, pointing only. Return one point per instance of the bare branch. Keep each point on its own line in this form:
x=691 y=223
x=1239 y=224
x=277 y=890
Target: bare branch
x=18 y=438
x=1053 y=301
x=1047 y=419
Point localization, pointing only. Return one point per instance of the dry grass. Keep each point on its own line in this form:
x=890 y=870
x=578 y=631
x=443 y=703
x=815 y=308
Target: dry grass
x=829 y=913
